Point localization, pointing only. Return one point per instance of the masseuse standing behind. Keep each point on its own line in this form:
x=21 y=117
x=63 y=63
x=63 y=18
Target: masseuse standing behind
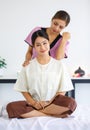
x=58 y=43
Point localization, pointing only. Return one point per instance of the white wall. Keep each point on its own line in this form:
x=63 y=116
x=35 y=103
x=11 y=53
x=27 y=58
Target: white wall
x=8 y=94
x=18 y=17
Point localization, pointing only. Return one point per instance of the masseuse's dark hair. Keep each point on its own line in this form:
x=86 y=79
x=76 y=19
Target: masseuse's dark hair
x=63 y=15
x=39 y=33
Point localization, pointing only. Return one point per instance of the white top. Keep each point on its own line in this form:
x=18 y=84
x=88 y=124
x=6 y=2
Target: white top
x=44 y=81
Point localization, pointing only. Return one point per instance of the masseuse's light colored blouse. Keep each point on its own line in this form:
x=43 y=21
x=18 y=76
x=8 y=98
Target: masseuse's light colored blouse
x=44 y=81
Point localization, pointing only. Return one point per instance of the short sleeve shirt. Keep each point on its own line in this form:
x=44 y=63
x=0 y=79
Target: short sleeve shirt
x=44 y=81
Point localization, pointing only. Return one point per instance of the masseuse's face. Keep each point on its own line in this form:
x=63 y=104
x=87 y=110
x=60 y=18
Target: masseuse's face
x=42 y=46
x=57 y=25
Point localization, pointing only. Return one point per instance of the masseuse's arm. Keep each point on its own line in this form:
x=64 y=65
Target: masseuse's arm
x=28 y=56
x=60 y=53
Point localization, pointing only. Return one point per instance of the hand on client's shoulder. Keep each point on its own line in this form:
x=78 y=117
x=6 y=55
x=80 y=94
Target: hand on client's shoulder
x=26 y=62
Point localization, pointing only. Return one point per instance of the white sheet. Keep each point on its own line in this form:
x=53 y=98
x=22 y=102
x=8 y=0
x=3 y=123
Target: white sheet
x=79 y=120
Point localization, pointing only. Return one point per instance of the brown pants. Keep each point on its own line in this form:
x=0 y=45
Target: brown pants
x=57 y=107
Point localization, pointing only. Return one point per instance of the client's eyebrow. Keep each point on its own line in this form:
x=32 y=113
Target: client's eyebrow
x=41 y=42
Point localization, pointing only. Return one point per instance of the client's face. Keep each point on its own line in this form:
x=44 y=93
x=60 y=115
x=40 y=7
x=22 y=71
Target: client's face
x=42 y=46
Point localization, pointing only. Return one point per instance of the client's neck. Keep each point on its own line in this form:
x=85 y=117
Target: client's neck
x=43 y=59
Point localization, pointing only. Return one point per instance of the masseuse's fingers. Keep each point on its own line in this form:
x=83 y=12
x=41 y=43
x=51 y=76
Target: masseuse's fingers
x=26 y=62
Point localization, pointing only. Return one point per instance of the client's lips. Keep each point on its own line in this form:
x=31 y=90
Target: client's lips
x=43 y=51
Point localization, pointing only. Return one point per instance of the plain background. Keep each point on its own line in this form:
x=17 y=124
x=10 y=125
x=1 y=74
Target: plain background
x=19 y=17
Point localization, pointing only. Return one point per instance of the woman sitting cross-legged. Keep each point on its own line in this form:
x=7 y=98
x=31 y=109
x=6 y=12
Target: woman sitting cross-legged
x=43 y=83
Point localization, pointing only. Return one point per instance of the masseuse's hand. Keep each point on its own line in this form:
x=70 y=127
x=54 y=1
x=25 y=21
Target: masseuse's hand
x=26 y=62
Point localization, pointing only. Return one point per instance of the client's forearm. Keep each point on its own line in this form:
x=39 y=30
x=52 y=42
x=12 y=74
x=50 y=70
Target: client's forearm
x=37 y=105
x=28 y=98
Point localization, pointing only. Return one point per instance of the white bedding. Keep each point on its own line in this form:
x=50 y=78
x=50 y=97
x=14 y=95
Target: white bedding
x=79 y=120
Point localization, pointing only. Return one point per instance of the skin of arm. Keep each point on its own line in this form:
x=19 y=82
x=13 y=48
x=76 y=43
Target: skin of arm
x=37 y=105
x=28 y=56
x=28 y=98
x=60 y=53
x=61 y=49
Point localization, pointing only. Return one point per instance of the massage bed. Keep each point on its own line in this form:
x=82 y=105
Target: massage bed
x=79 y=120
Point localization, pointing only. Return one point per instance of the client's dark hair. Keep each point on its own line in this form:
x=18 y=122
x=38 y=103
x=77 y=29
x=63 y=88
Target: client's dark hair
x=39 y=33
